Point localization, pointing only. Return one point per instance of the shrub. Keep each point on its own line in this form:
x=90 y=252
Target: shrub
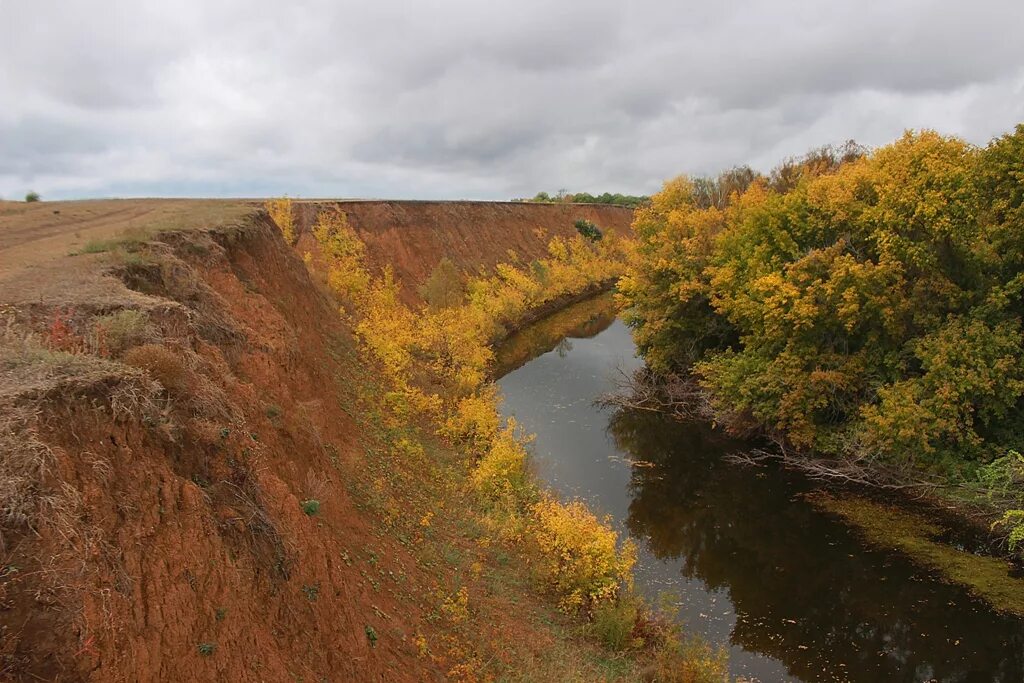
x=119 y=331
x=502 y=472
x=345 y=252
x=580 y=559
x=691 y=661
x=1003 y=476
x=1014 y=521
x=311 y=506
x=588 y=230
x=206 y=649
x=475 y=421
x=162 y=364
x=444 y=288
x=863 y=307
x=32 y=197
x=280 y=211
x=614 y=623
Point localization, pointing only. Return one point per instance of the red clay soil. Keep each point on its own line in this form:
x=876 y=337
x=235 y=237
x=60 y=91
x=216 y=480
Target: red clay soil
x=176 y=547
x=413 y=236
x=166 y=538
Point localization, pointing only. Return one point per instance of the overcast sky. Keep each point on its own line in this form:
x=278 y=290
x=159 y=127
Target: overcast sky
x=477 y=99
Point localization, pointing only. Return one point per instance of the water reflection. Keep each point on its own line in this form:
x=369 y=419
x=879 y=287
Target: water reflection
x=791 y=590
x=582 y=320
x=804 y=590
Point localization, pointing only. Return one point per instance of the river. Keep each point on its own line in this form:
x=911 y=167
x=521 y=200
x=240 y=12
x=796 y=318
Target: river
x=791 y=591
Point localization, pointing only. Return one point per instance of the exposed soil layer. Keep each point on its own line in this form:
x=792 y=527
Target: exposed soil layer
x=158 y=524
x=412 y=237
x=190 y=554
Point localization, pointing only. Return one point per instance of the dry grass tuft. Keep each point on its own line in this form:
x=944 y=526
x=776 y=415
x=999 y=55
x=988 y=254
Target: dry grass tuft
x=26 y=461
x=117 y=332
x=162 y=364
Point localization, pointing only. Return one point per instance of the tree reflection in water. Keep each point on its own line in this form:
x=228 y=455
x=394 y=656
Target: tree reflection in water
x=857 y=614
x=792 y=588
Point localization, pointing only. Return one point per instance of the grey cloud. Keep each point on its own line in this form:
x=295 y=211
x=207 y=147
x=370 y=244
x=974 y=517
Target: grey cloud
x=466 y=99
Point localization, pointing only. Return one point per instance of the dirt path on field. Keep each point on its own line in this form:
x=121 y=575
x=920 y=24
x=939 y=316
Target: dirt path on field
x=33 y=234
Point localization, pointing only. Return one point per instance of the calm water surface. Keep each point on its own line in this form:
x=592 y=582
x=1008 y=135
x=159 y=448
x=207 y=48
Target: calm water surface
x=792 y=592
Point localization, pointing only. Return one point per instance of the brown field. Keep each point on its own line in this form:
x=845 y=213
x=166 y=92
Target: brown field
x=34 y=233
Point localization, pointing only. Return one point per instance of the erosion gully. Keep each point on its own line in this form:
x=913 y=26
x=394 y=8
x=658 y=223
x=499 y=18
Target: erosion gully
x=737 y=553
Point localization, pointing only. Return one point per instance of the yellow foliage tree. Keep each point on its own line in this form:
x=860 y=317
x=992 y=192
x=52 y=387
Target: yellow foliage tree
x=581 y=557
x=280 y=211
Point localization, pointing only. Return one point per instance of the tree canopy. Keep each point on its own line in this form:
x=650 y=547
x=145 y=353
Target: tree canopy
x=862 y=305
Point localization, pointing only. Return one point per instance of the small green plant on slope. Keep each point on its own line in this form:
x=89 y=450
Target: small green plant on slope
x=588 y=229
x=32 y=197
x=316 y=486
x=312 y=592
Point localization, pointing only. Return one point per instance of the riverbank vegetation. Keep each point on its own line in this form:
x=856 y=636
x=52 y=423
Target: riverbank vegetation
x=921 y=539
x=434 y=361
x=862 y=309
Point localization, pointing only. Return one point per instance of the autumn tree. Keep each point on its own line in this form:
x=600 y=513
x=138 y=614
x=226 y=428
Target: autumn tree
x=858 y=305
x=445 y=287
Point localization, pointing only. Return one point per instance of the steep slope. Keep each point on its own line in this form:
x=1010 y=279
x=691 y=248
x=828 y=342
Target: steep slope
x=412 y=237
x=196 y=483
x=170 y=515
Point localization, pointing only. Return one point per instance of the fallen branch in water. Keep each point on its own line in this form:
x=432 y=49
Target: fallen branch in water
x=682 y=398
x=674 y=395
x=856 y=472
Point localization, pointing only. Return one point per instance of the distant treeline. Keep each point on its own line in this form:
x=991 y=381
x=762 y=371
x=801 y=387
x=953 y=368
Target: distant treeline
x=617 y=199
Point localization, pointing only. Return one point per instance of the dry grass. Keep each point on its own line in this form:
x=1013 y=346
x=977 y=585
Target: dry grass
x=31 y=369
x=26 y=461
x=31 y=373
x=117 y=332
x=264 y=539
x=163 y=365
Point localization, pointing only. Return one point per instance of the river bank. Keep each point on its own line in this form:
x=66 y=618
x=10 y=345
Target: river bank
x=796 y=592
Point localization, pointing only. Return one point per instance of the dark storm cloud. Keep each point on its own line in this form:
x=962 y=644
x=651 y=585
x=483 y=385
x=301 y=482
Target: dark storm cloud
x=469 y=99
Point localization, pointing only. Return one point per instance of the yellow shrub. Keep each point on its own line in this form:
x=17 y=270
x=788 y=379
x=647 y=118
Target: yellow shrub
x=388 y=327
x=280 y=211
x=345 y=253
x=691 y=661
x=454 y=342
x=502 y=471
x=475 y=421
x=446 y=347
x=580 y=559
x=456 y=607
